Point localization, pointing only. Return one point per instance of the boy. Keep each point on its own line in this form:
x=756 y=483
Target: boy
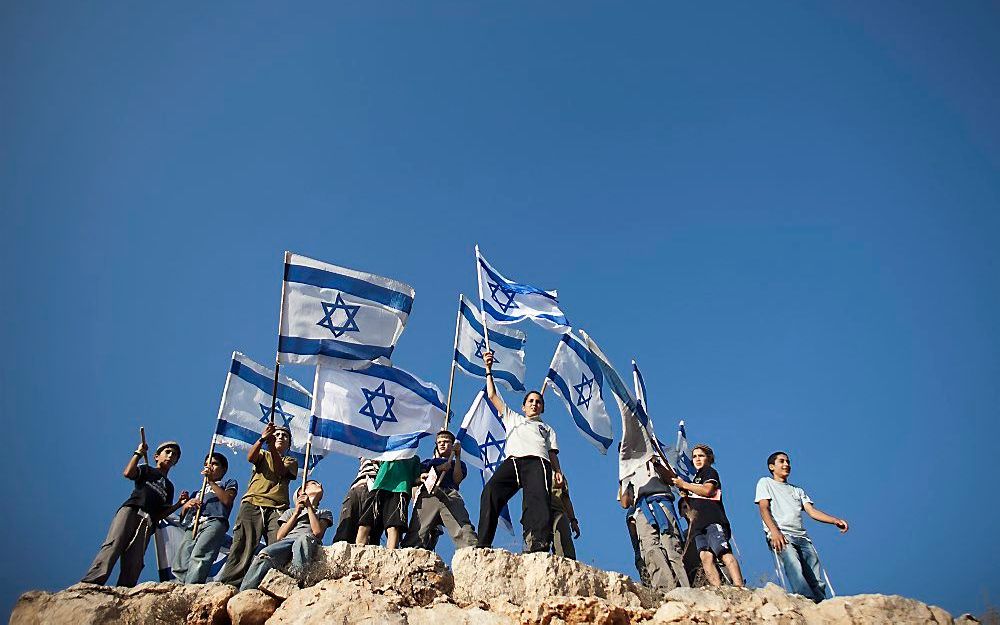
x=353 y=504
x=266 y=498
x=388 y=502
x=136 y=519
x=781 y=505
x=563 y=519
x=445 y=504
x=532 y=459
x=709 y=524
x=301 y=533
x=197 y=554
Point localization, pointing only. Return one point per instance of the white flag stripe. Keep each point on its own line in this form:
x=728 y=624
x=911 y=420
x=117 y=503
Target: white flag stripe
x=506 y=301
x=576 y=376
x=507 y=345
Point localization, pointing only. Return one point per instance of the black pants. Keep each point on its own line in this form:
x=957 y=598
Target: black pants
x=350 y=512
x=532 y=474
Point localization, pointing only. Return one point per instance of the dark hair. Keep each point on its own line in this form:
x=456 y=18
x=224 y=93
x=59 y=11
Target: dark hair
x=541 y=398
x=708 y=452
x=445 y=433
x=220 y=458
x=773 y=457
x=301 y=488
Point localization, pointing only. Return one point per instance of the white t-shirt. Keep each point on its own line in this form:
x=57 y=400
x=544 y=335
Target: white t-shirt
x=786 y=505
x=645 y=481
x=528 y=437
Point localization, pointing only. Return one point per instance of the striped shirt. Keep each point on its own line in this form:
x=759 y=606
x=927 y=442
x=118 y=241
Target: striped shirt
x=367 y=471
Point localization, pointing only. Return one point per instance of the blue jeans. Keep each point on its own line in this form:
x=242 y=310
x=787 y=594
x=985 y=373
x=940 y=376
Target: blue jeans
x=197 y=554
x=299 y=551
x=802 y=570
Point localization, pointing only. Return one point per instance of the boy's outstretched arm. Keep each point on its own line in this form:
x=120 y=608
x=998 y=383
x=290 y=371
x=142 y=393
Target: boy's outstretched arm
x=823 y=517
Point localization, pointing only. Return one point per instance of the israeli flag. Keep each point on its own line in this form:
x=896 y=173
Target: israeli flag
x=375 y=412
x=167 y=539
x=576 y=375
x=339 y=313
x=483 y=438
x=246 y=408
x=506 y=301
x=507 y=345
x=680 y=456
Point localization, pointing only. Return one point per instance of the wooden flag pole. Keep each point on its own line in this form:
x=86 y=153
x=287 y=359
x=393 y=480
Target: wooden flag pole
x=305 y=471
x=451 y=377
x=211 y=450
x=142 y=437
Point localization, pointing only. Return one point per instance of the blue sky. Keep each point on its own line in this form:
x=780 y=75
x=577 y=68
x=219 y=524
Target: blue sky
x=788 y=213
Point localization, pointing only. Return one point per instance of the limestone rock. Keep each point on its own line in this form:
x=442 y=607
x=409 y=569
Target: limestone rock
x=417 y=575
x=570 y=610
x=343 y=600
x=445 y=613
x=150 y=603
x=278 y=585
x=875 y=608
x=494 y=577
x=251 y=607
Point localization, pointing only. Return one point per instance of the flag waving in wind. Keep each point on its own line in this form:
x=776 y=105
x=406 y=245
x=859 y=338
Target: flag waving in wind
x=246 y=408
x=576 y=375
x=506 y=301
x=375 y=412
x=339 y=313
x=680 y=456
x=507 y=345
x=483 y=439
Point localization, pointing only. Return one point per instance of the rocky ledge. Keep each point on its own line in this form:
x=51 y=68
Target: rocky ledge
x=349 y=584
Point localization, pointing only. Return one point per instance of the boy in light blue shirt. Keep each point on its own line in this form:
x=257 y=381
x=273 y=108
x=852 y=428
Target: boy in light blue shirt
x=197 y=554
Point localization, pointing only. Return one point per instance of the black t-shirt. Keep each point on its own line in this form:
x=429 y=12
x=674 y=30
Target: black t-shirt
x=448 y=479
x=710 y=509
x=153 y=491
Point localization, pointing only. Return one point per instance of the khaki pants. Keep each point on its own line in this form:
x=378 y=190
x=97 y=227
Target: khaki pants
x=252 y=522
x=562 y=536
x=127 y=539
x=444 y=506
x=661 y=552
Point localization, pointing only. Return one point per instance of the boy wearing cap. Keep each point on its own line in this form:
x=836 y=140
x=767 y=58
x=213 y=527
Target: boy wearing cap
x=196 y=554
x=266 y=498
x=136 y=519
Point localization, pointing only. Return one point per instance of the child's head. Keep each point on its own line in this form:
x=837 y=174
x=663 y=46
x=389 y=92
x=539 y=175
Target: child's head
x=702 y=456
x=533 y=404
x=443 y=443
x=314 y=491
x=282 y=439
x=167 y=455
x=217 y=465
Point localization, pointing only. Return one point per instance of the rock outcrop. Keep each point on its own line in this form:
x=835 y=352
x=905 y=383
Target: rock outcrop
x=371 y=585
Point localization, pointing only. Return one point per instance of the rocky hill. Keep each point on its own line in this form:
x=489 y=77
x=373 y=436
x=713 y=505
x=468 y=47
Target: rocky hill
x=372 y=585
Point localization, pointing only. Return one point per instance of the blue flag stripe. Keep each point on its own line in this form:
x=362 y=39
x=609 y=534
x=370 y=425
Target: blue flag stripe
x=523 y=289
x=400 y=377
x=360 y=437
x=497 y=337
x=588 y=357
x=347 y=284
x=578 y=418
x=331 y=347
x=480 y=370
x=499 y=316
x=285 y=393
x=248 y=436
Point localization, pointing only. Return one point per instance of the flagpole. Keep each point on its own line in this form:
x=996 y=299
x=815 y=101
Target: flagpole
x=312 y=423
x=451 y=377
x=211 y=450
x=482 y=305
x=142 y=437
x=277 y=353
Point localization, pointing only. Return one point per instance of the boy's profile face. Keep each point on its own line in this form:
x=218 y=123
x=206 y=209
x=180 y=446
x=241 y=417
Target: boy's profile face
x=282 y=441
x=215 y=469
x=782 y=466
x=167 y=458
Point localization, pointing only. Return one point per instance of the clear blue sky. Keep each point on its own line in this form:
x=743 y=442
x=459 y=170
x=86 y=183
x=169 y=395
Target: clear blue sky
x=788 y=213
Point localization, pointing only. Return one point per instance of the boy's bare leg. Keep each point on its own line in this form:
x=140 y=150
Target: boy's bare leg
x=392 y=537
x=733 y=566
x=362 y=538
x=708 y=565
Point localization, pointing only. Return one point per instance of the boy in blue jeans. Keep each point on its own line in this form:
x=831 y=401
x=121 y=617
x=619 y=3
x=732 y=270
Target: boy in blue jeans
x=300 y=535
x=781 y=505
x=197 y=554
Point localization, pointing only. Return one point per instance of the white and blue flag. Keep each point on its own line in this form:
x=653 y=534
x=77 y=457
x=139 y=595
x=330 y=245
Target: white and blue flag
x=680 y=456
x=577 y=376
x=507 y=345
x=167 y=539
x=483 y=438
x=506 y=301
x=246 y=408
x=376 y=412
x=643 y=402
x=339 y=313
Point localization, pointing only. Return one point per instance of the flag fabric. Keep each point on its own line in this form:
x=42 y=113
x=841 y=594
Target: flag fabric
x=643 y=415
x=506 y=301
x=576 y=375
x=680 y=456
x=246 y=408
x=507 y=345
x=483 y=438
x=167 y=538
x=339 y=313
x=376 y=412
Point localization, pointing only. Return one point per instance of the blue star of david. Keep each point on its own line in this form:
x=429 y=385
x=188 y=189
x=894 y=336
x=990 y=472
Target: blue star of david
x=585 y=384
x=491 y=441
x=506 y=292
x=368 y=409
x=278 y=412
x=480 y=347
x=350 y=312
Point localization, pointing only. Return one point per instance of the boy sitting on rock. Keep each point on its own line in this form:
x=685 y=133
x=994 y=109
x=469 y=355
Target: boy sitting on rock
x=300 y=535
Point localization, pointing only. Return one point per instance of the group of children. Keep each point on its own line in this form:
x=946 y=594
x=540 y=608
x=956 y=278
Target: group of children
x=378 y=501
